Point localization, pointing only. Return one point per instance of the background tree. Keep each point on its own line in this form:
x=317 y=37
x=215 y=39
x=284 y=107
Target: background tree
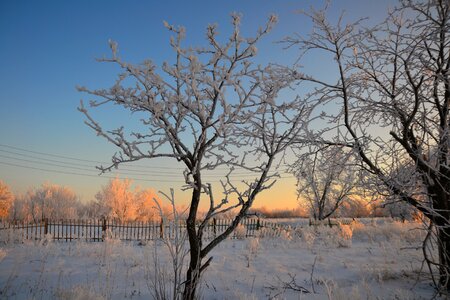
x=394 y=92
x=6 y=200
x=357 y=207
x=24 y=209
x=211 y=107
x=119 y=201
x=325 y=179
x=47 y=201
x=146 y=209
x=116 y=200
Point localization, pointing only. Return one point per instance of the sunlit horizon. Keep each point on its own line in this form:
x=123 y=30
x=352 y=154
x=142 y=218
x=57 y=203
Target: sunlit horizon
x=51 y=49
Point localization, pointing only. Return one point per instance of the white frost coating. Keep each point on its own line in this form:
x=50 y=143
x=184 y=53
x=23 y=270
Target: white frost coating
x=393 y=94
x=200 y=109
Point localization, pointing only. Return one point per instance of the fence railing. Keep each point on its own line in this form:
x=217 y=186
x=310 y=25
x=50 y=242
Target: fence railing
x=100 y=229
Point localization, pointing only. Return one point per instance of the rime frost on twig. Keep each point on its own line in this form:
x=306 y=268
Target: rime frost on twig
x=393 y=93
x=211 y=107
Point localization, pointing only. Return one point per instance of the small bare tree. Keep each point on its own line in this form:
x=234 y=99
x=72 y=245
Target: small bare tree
x=176 y=247
x=326 y=178
x=212 y=107
x=393 y=87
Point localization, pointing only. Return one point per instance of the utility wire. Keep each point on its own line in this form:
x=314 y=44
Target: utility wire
x=97 y=176
x=83 y=167
x=74 y=158
x=86 y=175
x=99 y=162
x=90 y=168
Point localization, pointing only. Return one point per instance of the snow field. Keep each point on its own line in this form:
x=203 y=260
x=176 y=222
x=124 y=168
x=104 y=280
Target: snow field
x=358 y=261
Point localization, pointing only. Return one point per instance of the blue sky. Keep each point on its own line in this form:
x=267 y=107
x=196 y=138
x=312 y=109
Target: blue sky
x=49 y=47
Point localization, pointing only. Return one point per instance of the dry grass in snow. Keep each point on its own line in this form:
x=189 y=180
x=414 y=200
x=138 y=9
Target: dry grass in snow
x=373 y=261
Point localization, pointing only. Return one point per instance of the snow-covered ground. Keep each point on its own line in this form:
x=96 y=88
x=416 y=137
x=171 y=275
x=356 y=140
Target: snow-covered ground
x=372 y=261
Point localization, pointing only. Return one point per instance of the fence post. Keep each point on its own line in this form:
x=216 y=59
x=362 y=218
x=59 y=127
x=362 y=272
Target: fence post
x=329 y=222
x=103 y=228
x=258 y=224
x=161 y=229
x=214 y=227
x=45 y=226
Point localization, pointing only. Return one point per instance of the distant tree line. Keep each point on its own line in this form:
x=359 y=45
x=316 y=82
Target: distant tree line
x=117 y=200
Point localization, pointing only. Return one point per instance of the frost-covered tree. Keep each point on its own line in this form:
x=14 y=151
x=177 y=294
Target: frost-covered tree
x=49 y=201
x=393 y=87
x=145 y=205
x=119 y=201
x=356 y=207
x=54 y=201
x=326 y=178
x=116 y=200
x=25 y=210
x=6 y=200
x=211 y=107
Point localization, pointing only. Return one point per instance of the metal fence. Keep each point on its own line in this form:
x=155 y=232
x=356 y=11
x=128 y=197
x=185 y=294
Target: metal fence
x=99 y=229
x=96 y=230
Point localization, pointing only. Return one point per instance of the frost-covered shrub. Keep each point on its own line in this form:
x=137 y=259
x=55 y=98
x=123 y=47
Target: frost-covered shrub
x=358 y=229
x=253 y=245
x=265 y=232
x=11 y=236
x=345 y=236
x=46 y=239
x=411 y=232
x=2 y=254
x=336 y=236
x=240 y=232
x=392 y=229
x=286 y=234
x=389 y=231
x=252 y=250
x=307 y=235
x=109 y=237
x=415 y=234
x=328 y=236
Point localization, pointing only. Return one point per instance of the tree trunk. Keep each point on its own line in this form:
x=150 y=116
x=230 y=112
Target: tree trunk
x=195 y=244
x=192 y=280
x=441 y=204
x=321 y=214
x=443 y=234
x=193 y=272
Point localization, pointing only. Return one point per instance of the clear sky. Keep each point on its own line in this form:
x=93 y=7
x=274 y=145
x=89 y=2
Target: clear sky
x=47 y=48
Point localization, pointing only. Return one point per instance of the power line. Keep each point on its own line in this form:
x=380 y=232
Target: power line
x=86 y=175
x=89 y=168
x=98 y=162
x=100 y=176
x=50 y=162
x=75 y=168
x=73 y=158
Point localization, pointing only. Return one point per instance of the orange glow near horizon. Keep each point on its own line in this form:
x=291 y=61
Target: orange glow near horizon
x=282 y=196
